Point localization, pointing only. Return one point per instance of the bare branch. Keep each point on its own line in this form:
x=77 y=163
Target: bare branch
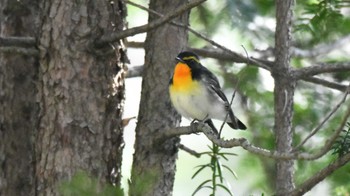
x=20 y=50
x=178 y=131
x=189 y=151
x=223 y=50
x=132 y=44
x=320 y=49
x=244 y=143
x=314 y=52
x=332 y=138
x=17 y=41
x=112 y=37
x=214 y=53
x=320 y=176
x=323 y=121
x=211 y=135
x=134 y=71
x=326 y=83
x=239 y=58
x=231 y=101
x=321 y=68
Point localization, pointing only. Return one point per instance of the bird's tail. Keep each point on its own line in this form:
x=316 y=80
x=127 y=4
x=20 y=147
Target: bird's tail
x=235 y=123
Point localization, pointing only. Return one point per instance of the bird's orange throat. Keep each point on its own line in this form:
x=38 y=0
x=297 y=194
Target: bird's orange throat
x=182 y=76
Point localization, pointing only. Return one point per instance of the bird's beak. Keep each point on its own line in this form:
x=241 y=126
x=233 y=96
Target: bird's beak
x=179 y=60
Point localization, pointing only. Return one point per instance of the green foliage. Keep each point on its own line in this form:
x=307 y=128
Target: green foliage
x=144 y=182
x=217 y=179
x=342 y=145
x=83 y=185
x=341 y=191
x=318 y=20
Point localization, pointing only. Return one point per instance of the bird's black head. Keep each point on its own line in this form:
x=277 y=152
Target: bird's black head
x=187 y=57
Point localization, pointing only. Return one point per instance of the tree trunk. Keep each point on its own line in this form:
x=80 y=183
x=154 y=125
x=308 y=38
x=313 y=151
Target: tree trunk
x=77 y=123
x=283 y=93
x=18 y=107
x=154 y=162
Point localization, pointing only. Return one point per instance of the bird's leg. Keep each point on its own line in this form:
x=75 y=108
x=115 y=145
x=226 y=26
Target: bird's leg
x=193 y=128
x=211 y=125
x=197 y=120
x=194 y=120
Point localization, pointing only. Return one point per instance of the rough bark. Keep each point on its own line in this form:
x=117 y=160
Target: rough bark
x=80 y=104
x=283 y=93
x=18 y=107
x=154 y=162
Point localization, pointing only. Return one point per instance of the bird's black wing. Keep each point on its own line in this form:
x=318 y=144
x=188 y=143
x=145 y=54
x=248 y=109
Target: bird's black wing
x=213 y=83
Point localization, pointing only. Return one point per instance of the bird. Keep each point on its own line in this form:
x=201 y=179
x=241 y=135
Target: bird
x=196 y=94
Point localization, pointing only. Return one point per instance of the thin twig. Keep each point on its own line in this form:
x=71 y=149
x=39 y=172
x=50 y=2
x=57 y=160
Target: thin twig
x=326 y=83
x=320 y=176
x=134 y=44
x=17 y=41
x=223 y=50
x=134 y=71
x=321 y=49
x=20 y=50
x=189 y=151
x=323 y=121
x=244 y=143
x=318 y=50
x=220 y=55
x=112 y=37
x=329 y=143
x=230 y=105
x=240 y=57
x=232 y=97
x=210 y=52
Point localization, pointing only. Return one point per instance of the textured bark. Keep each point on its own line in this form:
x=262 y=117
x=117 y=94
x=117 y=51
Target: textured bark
x=283 y=93
x=154 y=162
x=18 y=107
x=80 y=105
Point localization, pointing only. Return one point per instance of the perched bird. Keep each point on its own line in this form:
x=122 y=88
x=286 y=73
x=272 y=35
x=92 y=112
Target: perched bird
x=196 y=94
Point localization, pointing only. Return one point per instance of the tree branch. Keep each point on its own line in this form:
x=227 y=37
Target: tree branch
x=316 y=51
x=134 y=71
x=112 y=37
x=320 y=49
x=320 y=176
x=224 y=51
x=220 y=55
x=133 y=44
x=329 y=143
x=321 y=68
x=17 y=42
x=216 y=54
x=326 y=83
x=189 y=151
x=244 y=143
x=320 y=125
x=20 y=50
